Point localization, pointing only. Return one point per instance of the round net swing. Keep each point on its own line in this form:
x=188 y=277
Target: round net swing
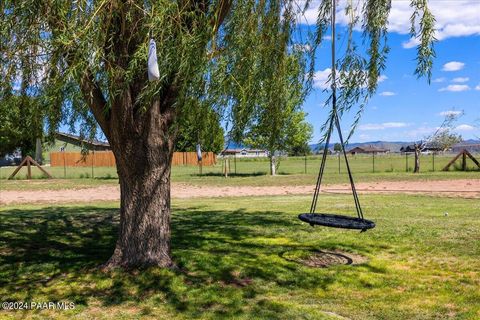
x=330 y=219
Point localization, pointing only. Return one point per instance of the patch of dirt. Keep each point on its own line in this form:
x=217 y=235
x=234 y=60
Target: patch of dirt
x=464 y=188
x=456 y=188
x=324 y=258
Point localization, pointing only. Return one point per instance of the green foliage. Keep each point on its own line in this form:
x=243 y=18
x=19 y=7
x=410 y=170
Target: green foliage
x=269 y=117
x=21 y=123
x=337 y=147
x=425 y=34
x=445 y=139
x=300 y=150
x=278 y=124
x=200 y=125
x=88 y=58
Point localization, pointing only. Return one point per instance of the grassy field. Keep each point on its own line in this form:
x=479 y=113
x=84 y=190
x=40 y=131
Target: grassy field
x=251 y=172
x=234 y=261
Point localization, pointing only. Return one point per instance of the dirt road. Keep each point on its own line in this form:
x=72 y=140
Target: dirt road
x=458 y=188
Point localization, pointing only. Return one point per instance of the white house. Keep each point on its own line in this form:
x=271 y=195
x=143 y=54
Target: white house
x=245 y=153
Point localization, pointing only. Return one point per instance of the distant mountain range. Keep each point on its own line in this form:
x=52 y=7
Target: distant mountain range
x=393 y=146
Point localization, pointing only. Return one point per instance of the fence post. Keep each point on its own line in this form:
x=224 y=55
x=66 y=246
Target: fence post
x=433 y=161
x=235 y=162
x=305 y=163
x=64 y=166
x=338 y=162
x=93 y=159
x=373 y=162
x=406 y=162
x=29 y=169
x=226 y=166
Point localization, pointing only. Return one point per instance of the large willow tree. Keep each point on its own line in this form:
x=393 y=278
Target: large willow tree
x=87 y=60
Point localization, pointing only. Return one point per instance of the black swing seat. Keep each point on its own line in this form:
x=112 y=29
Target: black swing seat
x=336 y=221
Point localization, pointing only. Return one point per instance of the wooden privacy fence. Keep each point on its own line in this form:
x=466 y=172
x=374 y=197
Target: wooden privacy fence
x=190 y=158
x=76 y=159
x=106 y=159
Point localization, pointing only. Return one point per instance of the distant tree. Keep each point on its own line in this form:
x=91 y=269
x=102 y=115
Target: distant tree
x=300 y=150
x=202 y=128
x=445 y=140
x=278 y=123
x=443 y=135
x=337 y=147
x=289 y=132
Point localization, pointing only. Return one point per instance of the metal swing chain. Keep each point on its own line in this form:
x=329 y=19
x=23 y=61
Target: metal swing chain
x=334 y=119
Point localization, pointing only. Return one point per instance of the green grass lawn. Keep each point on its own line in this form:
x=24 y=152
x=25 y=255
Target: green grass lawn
x=232 y=259
x=250 y=172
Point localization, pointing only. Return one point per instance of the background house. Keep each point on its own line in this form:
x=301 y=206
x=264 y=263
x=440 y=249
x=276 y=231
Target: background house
x=429 y=148
x=367 y=150
x=66 y=139
x=245 y=153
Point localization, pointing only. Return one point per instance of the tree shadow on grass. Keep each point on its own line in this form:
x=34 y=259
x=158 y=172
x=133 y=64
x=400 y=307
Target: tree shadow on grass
x=225 y=258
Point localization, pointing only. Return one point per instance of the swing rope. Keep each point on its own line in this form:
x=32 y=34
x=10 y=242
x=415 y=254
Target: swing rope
x=334 y=121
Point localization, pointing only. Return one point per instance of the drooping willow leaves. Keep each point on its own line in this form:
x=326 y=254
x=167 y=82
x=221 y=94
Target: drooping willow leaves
x=220 y=54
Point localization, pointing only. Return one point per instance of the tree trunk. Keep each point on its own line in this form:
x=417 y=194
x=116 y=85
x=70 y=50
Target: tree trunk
x=273 y=165
x=144 y=232
x=417 y=160
x=143 y=153
x=38 y=151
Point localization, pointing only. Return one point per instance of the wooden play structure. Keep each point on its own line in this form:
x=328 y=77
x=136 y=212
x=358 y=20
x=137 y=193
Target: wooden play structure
x=28 y=161
x=464 y=154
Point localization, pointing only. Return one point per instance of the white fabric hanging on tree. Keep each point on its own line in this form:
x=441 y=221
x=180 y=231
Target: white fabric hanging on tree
x=153 y=73
x=199 y=152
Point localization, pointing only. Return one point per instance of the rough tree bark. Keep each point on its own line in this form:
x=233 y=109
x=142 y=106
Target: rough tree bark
x=144 y=232
x=143 y=152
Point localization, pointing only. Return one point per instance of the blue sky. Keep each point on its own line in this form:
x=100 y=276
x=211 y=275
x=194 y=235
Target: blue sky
x=406 y=108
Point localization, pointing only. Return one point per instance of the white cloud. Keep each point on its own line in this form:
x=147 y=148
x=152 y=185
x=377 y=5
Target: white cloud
x=387 y=93
x=438 y=80
x=477 y=87
x=420 y=132
x=320 y=79
x=413 y=42
x=453 y=66
x=455 y=88
x=382 y=126
x=460 y=79
x=327 y=38
x=382 y=78
x=465 y=127
x=450 y=113
x=455 y=18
